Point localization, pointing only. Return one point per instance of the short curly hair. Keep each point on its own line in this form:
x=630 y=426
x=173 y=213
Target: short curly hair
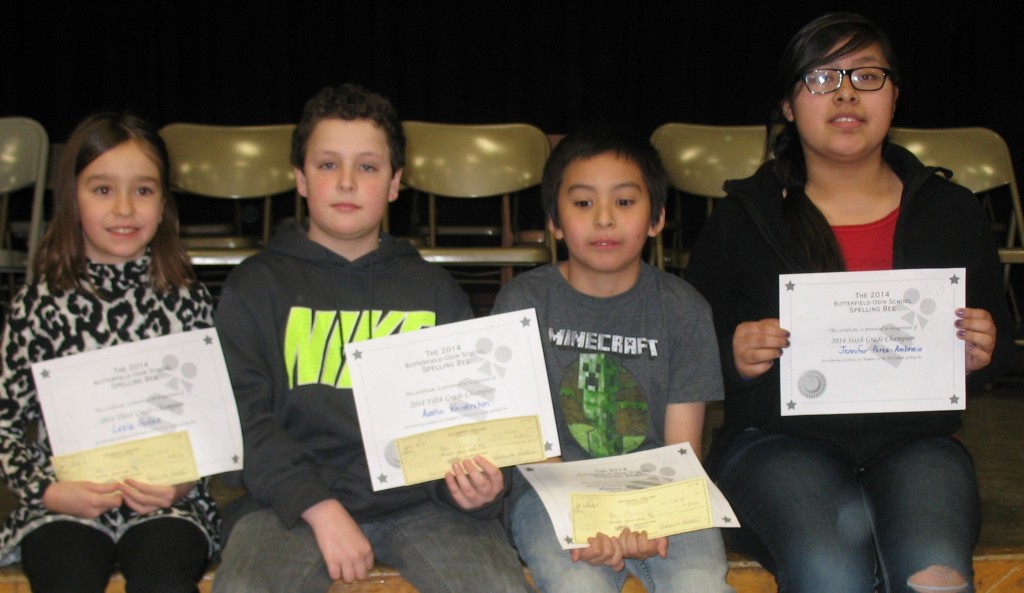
x=350 y=102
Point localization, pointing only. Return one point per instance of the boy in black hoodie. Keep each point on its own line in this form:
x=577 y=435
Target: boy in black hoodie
x=310 y=515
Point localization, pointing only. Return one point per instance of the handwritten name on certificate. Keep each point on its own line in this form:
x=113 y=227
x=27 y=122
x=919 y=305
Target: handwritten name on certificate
x=663 y=491
x=173 y=383
x=866 y=342
x=456 y=374
x=659 y=510
x=162 y=459
x=504 y=441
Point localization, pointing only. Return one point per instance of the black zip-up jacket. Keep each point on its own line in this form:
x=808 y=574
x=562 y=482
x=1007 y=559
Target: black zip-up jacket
x=744 y=247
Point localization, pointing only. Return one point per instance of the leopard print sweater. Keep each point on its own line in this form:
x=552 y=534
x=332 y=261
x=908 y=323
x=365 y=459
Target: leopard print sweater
x=43 y=325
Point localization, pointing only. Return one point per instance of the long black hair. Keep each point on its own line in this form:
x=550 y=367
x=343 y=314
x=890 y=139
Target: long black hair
x=821 y=41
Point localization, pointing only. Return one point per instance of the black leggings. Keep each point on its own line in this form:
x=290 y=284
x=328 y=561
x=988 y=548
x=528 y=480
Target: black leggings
x=164 y=555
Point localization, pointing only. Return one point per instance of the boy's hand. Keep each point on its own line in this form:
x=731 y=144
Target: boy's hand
x=603 y=551
x=636 y=546
x=346 y=551
x=756 y=345
x=475 y=483
x=81 y=499
x=976 y=327
x=146 y=498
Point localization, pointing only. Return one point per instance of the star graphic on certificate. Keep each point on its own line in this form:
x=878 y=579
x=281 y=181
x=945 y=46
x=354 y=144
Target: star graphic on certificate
x=357 y=354
x=568 y=539
x=954 y=279
x=382 y=478
x=548 y=446
x=207 y=340
x=791 y=405
x=525 y=322
x=682 y=451
x=790 y=286
x=45 y=374
x=954 y=399
x=726 y=520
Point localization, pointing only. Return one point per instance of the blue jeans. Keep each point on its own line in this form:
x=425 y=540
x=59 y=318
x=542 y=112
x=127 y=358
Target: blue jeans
x=436 y=549
x=819 y=522
x=695 y=564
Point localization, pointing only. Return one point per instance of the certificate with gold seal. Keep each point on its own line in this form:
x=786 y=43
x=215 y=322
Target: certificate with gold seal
x=104 y=408
x=865 y=342
x=436 y=395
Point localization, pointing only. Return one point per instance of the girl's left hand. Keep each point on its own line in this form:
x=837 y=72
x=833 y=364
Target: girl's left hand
x=146 y=498
x=474 y=483
x=975 y=326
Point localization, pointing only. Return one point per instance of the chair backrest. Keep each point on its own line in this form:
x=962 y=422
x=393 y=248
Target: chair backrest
x=230 y=161
x=978 y=157
x=24 y=147
x=475 y=161
x=469 y=161
x=233 y=162
x=699 y=158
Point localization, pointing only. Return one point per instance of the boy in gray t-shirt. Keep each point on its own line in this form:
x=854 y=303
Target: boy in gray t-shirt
x=631 y=358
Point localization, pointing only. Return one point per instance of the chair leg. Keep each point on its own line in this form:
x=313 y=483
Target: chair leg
x=1011 y=240
x=506 y=234
x=432 y=221
x=5 y=237
x=268 y=214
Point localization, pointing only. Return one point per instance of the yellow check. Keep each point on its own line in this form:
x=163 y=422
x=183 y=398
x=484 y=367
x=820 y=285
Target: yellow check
x=669 y=509
x=164 y=459
x=507 y=441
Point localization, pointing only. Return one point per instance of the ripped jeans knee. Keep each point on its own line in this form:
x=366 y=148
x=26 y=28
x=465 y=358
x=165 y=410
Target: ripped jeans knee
x=936 y=579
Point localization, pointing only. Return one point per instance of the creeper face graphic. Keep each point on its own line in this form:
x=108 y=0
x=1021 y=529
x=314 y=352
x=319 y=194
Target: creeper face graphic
x=604 y=407
x=599 y=387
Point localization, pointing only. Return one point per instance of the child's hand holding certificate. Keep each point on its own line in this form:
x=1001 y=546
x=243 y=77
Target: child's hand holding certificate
x=662 y=491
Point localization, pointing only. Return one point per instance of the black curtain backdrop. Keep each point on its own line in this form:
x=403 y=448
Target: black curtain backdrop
x=553 y=63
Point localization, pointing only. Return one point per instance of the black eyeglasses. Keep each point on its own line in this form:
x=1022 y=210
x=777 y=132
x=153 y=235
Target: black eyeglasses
x=828 y=80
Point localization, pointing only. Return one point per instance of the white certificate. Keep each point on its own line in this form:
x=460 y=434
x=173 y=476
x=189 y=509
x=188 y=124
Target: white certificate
x=173 y=383
x=864 y=342
x=491 y=368
x=636 y=487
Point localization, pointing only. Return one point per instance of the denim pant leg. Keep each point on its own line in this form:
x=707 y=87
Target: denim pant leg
x=439 y=549
x=927 y=510
x=802 y=512
x=695 y=563
x=552 y=567
x=262 y=556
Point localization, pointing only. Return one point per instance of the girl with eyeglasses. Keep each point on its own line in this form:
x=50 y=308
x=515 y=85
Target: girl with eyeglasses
x=854 y=502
